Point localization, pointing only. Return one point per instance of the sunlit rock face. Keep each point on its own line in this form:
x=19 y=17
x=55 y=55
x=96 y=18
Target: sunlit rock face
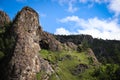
x=25 y=63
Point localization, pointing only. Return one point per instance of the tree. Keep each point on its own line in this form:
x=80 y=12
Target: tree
x=85 y=44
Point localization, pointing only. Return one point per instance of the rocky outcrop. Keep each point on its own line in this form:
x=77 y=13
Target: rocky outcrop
x=4 y=19
x=24 y=63
x=46 y=69
x=92 y=56
x=71 y=45
x=48 y=41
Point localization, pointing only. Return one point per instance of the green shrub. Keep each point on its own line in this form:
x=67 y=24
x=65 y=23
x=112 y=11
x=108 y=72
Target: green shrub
x=1 y=55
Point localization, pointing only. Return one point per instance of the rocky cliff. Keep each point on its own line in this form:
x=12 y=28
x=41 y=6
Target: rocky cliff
x=48 y=41
x=24 y=62
x=4 y=19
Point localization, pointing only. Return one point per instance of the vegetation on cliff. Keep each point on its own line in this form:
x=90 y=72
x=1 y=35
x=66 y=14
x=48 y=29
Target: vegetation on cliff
x=74 y=65
x=106 y=51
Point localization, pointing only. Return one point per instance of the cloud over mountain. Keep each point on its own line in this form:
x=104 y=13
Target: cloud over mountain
x=98 y=28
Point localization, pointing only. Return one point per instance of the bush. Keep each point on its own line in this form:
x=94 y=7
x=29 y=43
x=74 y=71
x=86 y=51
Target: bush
x=107 y=72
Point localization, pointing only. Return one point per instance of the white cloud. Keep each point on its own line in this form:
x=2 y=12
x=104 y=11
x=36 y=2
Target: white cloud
x=62 y=31
x=70 y=18
x=70 y=3
x=41 y=14
x=71 y=8
x=114 y=6
x=106 y=29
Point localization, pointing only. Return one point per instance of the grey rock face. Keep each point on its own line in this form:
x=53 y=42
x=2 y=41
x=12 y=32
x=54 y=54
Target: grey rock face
x=48 y=41
x=71 y=45
x=93 y=57
x=25 y=63
x=4 y=19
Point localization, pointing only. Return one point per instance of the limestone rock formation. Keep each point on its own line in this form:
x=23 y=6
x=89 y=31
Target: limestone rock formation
x=93 y=57
x=24 y=63
x=4 y=19
x=46 y=68
x=48 y=41
x=71 y=45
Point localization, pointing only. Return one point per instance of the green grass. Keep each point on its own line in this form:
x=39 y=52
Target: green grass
x=38 y=76
x=87 y=75
x=56 y=56
x=63 y=62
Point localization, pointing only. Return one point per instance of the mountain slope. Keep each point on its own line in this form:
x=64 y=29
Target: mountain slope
x=106 y=51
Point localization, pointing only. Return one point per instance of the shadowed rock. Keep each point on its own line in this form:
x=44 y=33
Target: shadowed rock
x=48 y=41
x=93 y=57
x=4 y=19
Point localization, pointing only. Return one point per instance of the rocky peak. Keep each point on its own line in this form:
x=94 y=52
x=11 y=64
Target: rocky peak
x=4 y=19
x=25 y=62
x=27 y=20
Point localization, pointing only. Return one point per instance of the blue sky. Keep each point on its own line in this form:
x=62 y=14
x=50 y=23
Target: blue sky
x=99 y=18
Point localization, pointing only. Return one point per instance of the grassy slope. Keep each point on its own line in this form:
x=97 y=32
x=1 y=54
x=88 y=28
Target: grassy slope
x=64 y=62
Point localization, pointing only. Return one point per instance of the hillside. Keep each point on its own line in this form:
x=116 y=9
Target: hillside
x=29 y=53
x=106 y=51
